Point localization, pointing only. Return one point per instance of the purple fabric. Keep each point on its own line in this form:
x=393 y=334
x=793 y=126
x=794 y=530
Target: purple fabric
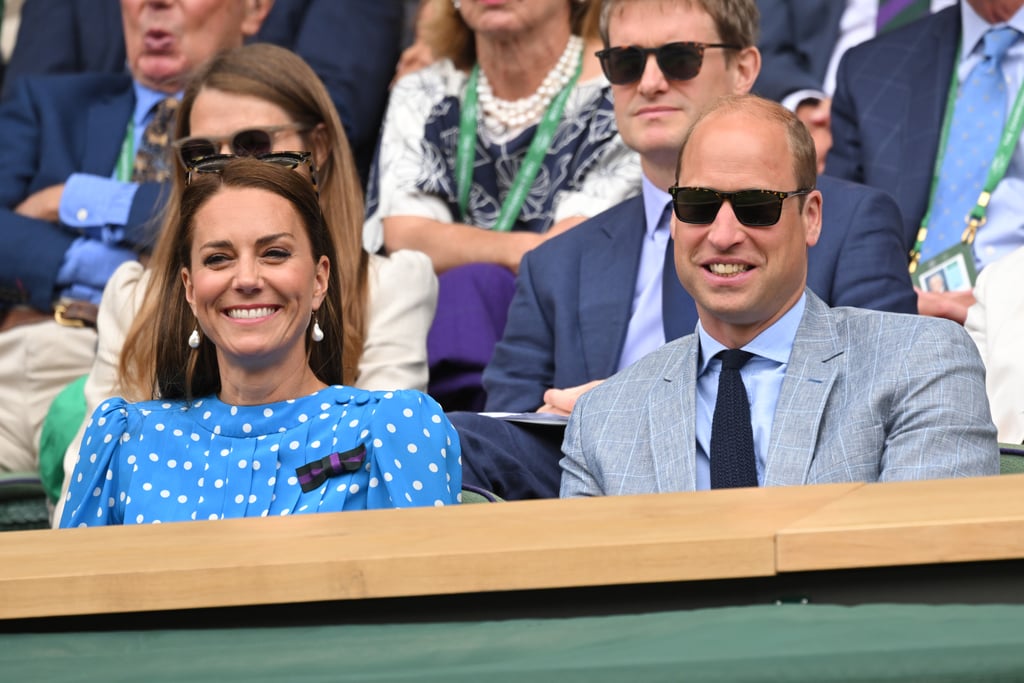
x=889 y=9
x=472 y=308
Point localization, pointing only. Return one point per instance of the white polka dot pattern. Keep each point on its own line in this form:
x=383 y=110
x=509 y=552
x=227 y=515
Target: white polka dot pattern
x=243 y=459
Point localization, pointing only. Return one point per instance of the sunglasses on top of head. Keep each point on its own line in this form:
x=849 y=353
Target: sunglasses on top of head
x=752 y=208
x=677 y=61
x=248 y=142
x=215 y=163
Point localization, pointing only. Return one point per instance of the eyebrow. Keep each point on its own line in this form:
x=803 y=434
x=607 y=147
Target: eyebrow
x=261 y=241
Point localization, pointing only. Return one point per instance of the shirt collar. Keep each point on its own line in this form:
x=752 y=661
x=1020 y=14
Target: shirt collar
x=145 y=100
x=774 y=343
x=655 y=200
x=974 y=27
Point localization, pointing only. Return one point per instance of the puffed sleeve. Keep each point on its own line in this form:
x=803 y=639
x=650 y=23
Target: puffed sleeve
x=94 y=497
x=414 y=453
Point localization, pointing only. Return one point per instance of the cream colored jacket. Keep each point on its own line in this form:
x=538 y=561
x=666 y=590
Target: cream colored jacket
x=996 y=323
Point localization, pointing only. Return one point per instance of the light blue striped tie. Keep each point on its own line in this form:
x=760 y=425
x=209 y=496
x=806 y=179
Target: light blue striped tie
x=978 y=119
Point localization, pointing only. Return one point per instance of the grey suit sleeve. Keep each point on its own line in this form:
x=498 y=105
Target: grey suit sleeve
x=578 y=477
x=940 y=424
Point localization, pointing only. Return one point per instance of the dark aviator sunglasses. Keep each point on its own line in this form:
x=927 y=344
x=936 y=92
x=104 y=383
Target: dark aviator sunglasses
x=752 y=208
x=249 y=142
x=677 y=61
x=215 y=163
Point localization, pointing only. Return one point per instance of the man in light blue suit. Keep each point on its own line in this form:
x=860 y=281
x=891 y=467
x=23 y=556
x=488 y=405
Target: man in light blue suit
x=590 y=302
x=834 y=394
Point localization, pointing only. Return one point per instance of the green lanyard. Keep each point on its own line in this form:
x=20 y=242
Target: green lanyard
x=1004 y=152
x=126 y=159
x=531 y=164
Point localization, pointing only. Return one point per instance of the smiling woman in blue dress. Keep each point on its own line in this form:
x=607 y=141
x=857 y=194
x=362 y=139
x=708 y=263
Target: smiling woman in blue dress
x=252 y=419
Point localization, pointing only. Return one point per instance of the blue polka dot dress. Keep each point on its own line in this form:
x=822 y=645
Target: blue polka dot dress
x=338 y=449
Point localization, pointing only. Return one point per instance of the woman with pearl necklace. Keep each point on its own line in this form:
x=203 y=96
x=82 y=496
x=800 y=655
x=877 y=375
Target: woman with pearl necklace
x=502 y=143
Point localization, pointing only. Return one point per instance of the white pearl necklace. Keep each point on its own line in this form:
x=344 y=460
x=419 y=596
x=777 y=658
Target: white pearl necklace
x=502 y=116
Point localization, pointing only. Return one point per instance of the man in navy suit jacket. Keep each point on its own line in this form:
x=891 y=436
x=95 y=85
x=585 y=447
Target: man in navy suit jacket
x=352 y=46
x=67 y=216
x=575 y=304
x=887 y=114
x=799 y=41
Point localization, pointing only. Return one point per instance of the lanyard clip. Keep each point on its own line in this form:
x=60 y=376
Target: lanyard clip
x=973 y=223
x=976 y=218
x=915 y=252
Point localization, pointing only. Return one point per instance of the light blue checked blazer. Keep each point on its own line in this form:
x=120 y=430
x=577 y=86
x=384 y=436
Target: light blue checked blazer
x=867 y=396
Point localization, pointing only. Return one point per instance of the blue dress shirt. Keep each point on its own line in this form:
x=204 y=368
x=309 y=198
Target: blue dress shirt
x=98 y=209
x=646 y=330
x=762 y=377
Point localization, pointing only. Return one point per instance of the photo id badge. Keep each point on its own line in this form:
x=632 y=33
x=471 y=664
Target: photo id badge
x=951 y=271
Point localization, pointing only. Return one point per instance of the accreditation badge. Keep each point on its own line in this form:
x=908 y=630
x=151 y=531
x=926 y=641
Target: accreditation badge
x=953 y=270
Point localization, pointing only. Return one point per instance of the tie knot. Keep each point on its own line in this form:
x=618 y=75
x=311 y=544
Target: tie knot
x=998 y=41
x=165 y=106
x=734 y=359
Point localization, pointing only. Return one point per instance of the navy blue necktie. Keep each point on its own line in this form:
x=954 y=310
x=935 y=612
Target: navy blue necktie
x=669 y=281
x=732 y=437
x=678 y=312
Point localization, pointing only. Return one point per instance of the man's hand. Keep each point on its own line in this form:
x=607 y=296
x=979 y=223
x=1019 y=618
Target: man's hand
x=817 y=116
x=44 y=204
x=562 y=401
x=949 y=305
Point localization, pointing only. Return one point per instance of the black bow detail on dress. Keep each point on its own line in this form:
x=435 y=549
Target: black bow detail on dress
x=313 y=474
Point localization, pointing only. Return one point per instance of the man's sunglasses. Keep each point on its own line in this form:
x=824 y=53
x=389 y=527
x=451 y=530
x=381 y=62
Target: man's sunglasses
x=677 y=61
x=215 y=163
x=250 y=142
x=753 y=208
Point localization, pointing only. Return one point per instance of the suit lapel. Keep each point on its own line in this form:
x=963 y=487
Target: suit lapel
x=820 y=22
x=107 y=122
x=809 y=378
x=604 y=309
x=671 y=410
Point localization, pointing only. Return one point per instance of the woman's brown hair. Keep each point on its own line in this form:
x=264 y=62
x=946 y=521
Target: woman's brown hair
x=186 y=373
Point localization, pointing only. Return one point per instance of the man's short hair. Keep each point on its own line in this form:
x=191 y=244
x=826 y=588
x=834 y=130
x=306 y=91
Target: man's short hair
x=801 y=145
x=737 y=21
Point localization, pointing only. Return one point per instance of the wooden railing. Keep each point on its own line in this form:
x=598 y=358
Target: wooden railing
x=509 y=546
